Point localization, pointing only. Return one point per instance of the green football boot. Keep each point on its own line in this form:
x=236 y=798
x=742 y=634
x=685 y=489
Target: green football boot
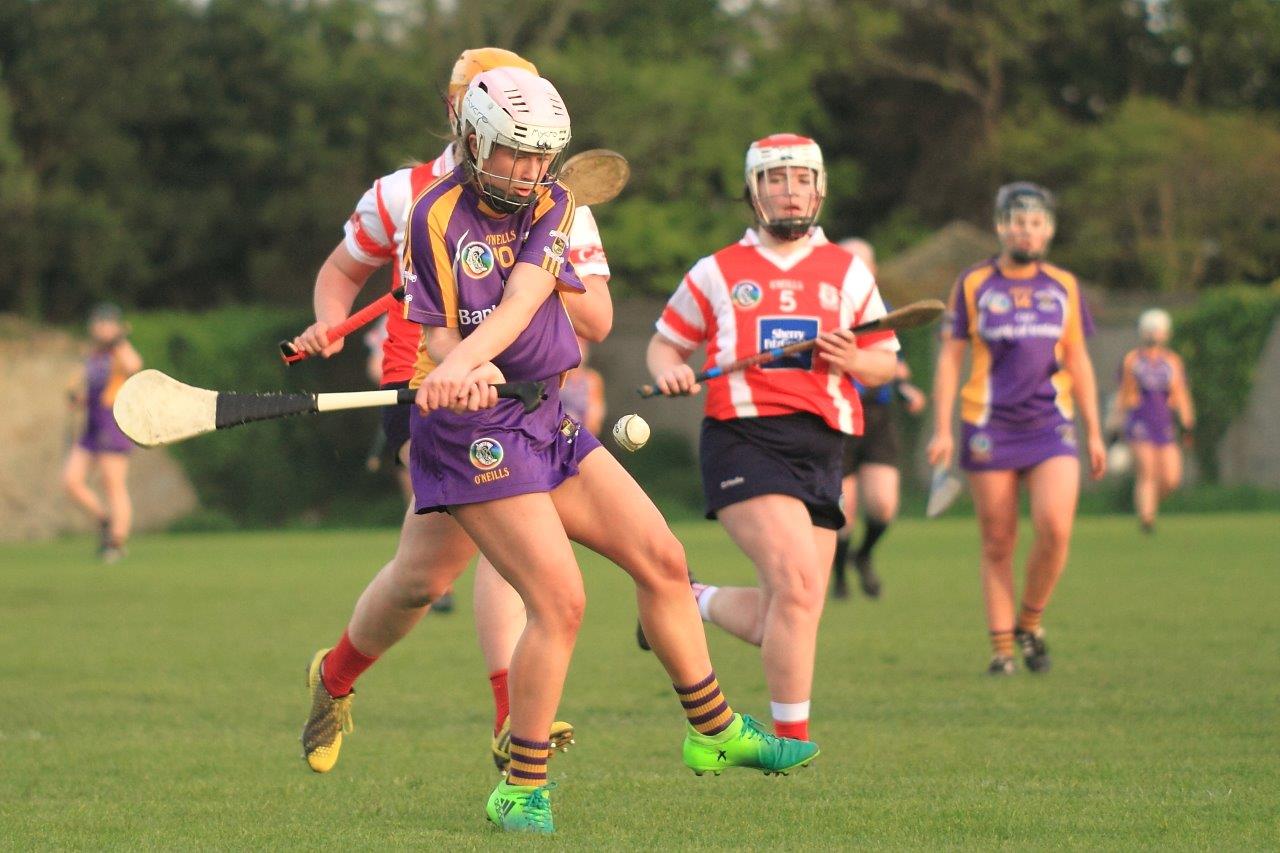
x=746 y=743
x=516 y=808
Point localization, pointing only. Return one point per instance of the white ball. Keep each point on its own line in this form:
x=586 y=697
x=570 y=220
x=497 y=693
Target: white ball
x=631 y=432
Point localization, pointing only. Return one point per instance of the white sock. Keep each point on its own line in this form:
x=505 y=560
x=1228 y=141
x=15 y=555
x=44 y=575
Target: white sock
x=703 y=598
x=789 y=712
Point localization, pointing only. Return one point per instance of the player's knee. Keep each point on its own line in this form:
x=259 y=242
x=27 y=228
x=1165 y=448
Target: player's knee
x=1054 y=532
x=801 y=593
x=998 y=547
x=663 y=562
x=561 y=612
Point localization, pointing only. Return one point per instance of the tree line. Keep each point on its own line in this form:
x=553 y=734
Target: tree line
x=184 y=154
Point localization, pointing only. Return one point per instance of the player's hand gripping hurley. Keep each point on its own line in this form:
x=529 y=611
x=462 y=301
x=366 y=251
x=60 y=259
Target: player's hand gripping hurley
x=907 y=317
x=153 y=408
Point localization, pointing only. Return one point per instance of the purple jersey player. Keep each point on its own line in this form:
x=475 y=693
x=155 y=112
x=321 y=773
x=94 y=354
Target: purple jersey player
x=1026 y=321
x=111 y=360
x=1153 y=386
x=485 y=262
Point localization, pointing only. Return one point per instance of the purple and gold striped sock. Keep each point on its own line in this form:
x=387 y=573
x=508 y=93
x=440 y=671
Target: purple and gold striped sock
x=1002 y=643
x=1029 y=618
x=705 y=706
x=528 y=762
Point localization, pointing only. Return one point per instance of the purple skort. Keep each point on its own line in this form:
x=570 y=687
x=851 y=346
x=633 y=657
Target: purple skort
x=495 y=453
x=994 y=448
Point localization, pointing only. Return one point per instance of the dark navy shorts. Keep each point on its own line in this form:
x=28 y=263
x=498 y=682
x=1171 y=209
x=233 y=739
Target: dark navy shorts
x=395 y=422
x=796 y=455
x=878 y=444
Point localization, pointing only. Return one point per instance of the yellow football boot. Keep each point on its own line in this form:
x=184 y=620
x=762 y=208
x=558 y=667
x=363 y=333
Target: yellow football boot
x=561 y=739
x=330 y=719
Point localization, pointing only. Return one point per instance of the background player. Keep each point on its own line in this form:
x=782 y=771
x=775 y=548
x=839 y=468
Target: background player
x=402 y=592
x=772 y=436
x=1153 y=386
x=1026 y=321
x=870 y=463
x=523 y=485
x=112 y=360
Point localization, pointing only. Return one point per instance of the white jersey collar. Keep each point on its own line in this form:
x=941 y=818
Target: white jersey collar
x=783 y=262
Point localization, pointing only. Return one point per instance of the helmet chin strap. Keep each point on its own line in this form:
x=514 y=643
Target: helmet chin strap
x=787 y=229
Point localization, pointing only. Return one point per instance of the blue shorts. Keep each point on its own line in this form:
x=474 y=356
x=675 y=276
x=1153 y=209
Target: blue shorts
x=395 y=422
x=994 y=448
x=796 y=455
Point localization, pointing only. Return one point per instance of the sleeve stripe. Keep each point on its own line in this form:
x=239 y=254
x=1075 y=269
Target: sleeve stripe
x=680 y=325
x=700 y=298
x=675 y=337
x=438 y=217
x=388 y=226
x=369 y=246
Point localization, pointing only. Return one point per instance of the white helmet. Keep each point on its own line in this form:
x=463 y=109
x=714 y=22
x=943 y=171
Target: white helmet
x=1154 y=323
x=517 y=109
x=785 y=149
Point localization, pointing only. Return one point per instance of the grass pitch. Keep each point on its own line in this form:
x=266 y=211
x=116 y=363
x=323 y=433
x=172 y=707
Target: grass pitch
x=157 y=704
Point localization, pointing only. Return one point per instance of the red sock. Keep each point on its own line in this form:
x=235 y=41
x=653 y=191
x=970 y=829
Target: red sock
x=501 y=702
x=342 y=666
x=798 y=729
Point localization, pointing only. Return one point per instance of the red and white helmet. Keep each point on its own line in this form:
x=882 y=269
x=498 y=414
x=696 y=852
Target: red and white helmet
x=516 y=109
x=785 y=150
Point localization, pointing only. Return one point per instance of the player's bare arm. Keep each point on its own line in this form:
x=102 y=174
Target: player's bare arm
x=337 y=284
x=591 y=312
x=126 y=357
x=946 y=379
x=1085 y=390
x=666 y=361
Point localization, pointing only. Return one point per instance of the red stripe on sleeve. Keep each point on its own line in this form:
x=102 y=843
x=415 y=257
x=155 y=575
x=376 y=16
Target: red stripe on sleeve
x=388 y=226
x=681 y=326
x=704 y=305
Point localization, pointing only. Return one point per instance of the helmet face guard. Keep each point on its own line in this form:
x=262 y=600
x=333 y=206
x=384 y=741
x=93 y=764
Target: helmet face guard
x=786 y=152
x=1024 y=202
x=515 y=110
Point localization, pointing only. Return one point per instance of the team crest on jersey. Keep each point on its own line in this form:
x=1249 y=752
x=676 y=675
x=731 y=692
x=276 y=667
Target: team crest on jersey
x=476 y=259
x=1049 y=300
x=980 y=447
x=997 y=303
x=746 y=294
x=559 y=244
x=829 y=296
x=486 y=454
x=1067 y=432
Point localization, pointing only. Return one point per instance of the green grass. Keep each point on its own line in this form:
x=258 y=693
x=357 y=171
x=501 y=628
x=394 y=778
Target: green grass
x=157 y=704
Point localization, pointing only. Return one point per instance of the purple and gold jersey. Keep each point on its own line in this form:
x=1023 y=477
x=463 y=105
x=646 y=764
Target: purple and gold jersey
x=1149 y=380
x=457 y=259
x=103 y=379
x=1017 y=327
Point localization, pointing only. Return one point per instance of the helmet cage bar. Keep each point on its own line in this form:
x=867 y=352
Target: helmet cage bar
x=1024 y=197
x=785 y=227
x=499 y=190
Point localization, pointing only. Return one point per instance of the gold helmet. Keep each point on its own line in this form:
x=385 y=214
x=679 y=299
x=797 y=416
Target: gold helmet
x=474 y=61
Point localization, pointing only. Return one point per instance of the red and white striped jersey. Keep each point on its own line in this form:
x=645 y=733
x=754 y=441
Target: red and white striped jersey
x=746 y=298
x=375 y=235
